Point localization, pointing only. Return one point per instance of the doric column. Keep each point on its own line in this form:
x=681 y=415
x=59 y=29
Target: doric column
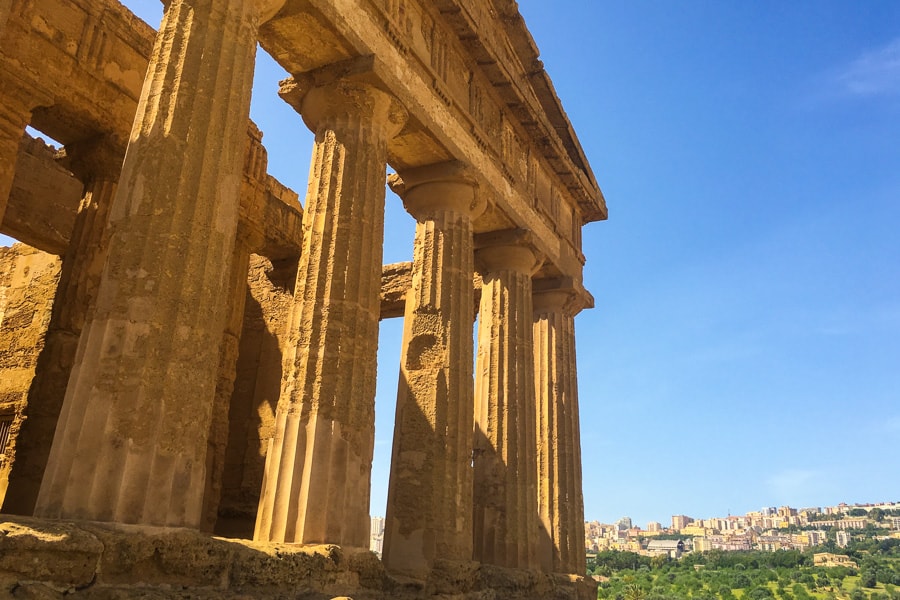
x=506 y=520
x=97 y=163
x=429 y=509
x=131 y=442
x=316 y=487
x=560 y=500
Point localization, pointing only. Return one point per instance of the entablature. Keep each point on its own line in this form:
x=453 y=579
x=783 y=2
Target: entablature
x=467 y=101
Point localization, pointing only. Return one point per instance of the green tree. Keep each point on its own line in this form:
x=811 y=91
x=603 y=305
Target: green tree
x=868 y=578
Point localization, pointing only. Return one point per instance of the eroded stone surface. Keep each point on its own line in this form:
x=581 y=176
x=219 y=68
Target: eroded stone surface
x=93 y=561
x=183 y=385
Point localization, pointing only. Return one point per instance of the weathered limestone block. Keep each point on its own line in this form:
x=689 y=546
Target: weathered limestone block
x=396 y=279
x=429 y=509
x=44 y=199
x=95 y=561
x=15 y=114
x=131 y=445
x=560 y=500
x=506 y=520
x=317 y=484
x=97 y=163
x=28 y=280
x=58 y=554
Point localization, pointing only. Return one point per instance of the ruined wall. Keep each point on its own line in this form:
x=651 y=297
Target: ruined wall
x=28 y=280
x=256 y=390
x=44 y=199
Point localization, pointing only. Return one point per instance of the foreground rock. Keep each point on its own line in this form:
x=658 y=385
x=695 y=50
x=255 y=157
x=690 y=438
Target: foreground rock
x=55 y=559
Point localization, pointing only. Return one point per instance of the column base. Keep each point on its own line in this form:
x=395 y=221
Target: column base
x=56 y=559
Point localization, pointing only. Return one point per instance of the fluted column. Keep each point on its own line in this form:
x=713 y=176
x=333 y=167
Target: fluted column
x=505 y=497
x=317 y=481
x=560 y=499
x=97 y=163
x=132 y=437
x=429 y=508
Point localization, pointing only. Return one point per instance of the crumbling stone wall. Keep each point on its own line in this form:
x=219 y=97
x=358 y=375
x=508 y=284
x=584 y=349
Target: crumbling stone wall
x=256 y=390
x=28 y=280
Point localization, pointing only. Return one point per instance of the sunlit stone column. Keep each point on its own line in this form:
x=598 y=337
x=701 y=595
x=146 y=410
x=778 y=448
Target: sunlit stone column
x=429 y=509
x=317 y=482
x=560 y=500
x=97 y=163
x=506 y=518
x=131 y=443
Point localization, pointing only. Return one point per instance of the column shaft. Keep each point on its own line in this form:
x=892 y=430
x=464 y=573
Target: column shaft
x=316 y=488
x=429 y=510
x=75 y=298
x=505 y=498
x=131 y=441
x=560 y=497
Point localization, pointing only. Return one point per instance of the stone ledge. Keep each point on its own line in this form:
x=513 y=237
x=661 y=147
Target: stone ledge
x=98 y=561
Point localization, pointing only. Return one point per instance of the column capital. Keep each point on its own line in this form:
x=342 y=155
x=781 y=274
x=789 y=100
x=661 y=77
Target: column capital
x=508 y=249
x=321 y=104
x=450 y=185
x=560 y=294
x=268 y=9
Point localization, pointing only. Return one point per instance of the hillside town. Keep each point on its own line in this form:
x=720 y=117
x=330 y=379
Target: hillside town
x=768 y=529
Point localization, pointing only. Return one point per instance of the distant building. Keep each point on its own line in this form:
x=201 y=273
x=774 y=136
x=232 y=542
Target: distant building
x=787 y=511
x=816 y=538
x=728 y=543
x=679 y=522
x=827 y=559
x=895 y=522
x=842 y=539
x=850 y=523
x=770 y=543
x=654 y=526
x=671 y=548
x=376 y=535
x=624 y=523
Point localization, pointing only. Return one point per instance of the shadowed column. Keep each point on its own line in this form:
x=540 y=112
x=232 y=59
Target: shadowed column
x=97 y=163
x=429 y=508
x=560 y=499
x=506 y=519
x=131 y=442
x=317 y=481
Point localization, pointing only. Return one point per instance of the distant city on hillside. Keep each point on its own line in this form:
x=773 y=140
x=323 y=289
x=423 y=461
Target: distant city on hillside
x=768 y=529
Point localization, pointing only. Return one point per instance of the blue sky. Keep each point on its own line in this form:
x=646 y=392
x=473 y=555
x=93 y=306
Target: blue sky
x=745 y=346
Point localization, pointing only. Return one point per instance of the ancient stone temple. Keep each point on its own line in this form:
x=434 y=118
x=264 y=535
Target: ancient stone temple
x=188 y=355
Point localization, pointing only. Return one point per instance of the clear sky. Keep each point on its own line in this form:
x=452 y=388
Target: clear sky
x=745 y=346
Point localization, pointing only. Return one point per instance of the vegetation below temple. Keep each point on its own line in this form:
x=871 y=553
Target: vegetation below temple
x=781 y=575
